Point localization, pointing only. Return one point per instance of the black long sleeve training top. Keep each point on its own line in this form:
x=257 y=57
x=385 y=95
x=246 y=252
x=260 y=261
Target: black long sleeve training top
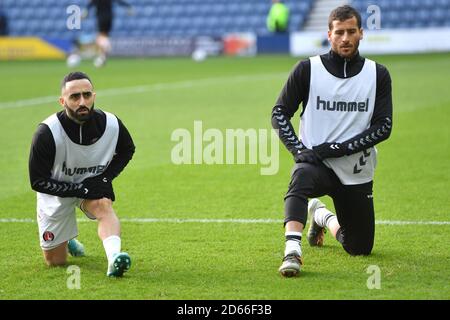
x=296 y=91
x=42 y=153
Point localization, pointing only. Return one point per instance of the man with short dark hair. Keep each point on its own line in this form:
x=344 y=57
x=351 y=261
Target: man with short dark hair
x=347 y=110
x=74 y=156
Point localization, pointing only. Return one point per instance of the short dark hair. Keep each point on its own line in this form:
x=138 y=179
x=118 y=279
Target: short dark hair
x=343 y=13
x=77 y=75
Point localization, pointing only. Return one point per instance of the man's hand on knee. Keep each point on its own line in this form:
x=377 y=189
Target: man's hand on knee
x=306 y=155
x=98 y=187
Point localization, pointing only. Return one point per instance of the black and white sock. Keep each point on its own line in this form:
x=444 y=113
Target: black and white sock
x=293 y=242
x=323 y=217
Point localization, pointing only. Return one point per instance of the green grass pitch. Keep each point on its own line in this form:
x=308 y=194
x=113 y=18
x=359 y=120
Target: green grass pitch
x=226 y=260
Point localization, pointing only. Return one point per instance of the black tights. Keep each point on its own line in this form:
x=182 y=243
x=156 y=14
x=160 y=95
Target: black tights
x=353 y=204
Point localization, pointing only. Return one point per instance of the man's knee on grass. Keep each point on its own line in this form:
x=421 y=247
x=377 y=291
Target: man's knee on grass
x=355 y=245
x=57 y=256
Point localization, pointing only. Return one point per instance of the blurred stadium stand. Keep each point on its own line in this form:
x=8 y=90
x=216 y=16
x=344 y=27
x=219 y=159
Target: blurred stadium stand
x=408 y=13
x=152 y=17
x=47 y=18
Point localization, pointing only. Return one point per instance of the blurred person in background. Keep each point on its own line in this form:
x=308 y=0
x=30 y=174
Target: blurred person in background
x=3 y=24
x=105 y=17
x=278 y=17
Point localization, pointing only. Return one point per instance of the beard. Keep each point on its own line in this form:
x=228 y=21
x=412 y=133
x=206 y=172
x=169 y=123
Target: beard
x=351 y=51
x=82 y=114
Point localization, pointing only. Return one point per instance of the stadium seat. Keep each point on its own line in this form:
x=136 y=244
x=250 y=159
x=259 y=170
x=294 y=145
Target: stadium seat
x=444 y=4
x=438 y=15
x=13 y=14
x=428 y=4
x=9 y=3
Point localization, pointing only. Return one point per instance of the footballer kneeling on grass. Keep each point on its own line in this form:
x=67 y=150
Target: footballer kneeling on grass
x=347 y=110
x=75 y=155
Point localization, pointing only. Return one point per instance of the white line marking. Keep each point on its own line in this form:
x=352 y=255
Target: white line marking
x=401 y=222
x=147 y=88
x=242 y=221
x=8 y=220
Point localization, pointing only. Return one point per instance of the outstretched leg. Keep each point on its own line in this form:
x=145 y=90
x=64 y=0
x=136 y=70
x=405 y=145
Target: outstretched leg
x=307 y=181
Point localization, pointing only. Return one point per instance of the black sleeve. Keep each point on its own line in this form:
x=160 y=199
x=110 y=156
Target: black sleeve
x=381 y=123
x=42 y=156
x=294 y=92
x=124 y=152
x=91 y=4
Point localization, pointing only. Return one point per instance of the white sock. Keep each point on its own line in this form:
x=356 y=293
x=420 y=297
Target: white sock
x=324 y=217
x=112 y=245
x=293 y=242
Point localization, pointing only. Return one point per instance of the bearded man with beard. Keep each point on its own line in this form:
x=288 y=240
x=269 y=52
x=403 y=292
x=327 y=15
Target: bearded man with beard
x=75 y=155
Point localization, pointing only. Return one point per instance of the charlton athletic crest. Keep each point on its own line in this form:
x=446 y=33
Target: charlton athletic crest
x=48 y=236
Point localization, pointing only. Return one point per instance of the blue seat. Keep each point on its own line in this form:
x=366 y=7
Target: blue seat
x=26 y=13
x=439 y=16
x=391 y=16
x=208 y=22
x=246 y=8
x=398 y=4
x=204 y=10
x=197 y=22
x=184 y=23
x=53 y=13
x=18 y=25
x=47 y=26
x=233 y=8
x=443 y=4
x=177 y=10
x=8 y=3
x=262 y=8
x=403 y=25
x=170 y=22
x=386 y=24
x=218 y=9
x=305 y=6
x=13 y=13
x=384 y=4
x=41 y=13
x=227 y=21
x=148 y=11
x=408 y=16
x=414 y=4
x=428 y=4
x=295 y=23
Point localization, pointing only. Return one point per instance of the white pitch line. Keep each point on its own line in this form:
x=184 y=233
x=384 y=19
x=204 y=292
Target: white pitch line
x=177 y=220
x=147 y=88
x=241 y=221
x=401 y=222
